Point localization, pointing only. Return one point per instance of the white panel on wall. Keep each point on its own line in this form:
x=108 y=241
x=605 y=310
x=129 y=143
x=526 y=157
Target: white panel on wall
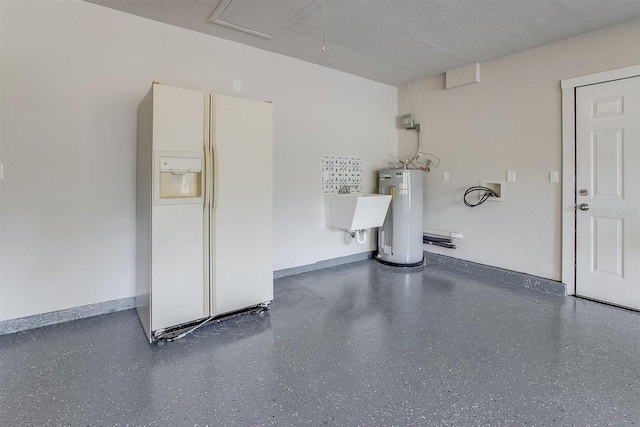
x=341 y=171
x=463 y=76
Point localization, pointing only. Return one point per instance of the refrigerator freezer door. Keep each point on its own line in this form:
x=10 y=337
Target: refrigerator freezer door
x=179 y=292
x=242 y=216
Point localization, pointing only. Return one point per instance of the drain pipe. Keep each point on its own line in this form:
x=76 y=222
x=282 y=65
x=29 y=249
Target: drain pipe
x=360 y=236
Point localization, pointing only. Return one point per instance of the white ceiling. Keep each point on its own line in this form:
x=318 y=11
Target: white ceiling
x=400 y=41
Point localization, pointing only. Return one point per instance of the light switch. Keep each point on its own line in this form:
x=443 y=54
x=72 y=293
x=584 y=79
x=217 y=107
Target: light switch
x=1 y=171
x=554 y=176
x=445 y=176
x=511 y=176
x=237 y=85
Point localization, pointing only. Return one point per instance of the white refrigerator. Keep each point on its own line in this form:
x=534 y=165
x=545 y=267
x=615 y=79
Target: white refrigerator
x=204 y=208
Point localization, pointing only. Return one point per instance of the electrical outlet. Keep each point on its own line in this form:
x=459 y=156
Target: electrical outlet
x=445 y=176
x=554 y=176
x=237 y=85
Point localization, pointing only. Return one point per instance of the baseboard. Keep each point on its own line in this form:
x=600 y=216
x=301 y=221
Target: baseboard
x=75 y=313
x=60 y=316
x=496 y=274
x=487 y=272
x=323 y=264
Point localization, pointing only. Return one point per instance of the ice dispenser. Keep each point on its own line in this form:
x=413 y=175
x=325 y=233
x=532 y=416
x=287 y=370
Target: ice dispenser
x=180 y=179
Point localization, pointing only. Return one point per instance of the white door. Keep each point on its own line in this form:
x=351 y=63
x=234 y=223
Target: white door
x=608 y=192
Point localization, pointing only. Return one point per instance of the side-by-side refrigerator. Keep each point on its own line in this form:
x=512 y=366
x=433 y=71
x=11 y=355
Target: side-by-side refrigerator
x=204 y=209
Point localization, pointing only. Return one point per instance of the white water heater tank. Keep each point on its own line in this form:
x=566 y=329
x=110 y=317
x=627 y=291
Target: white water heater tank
x=400 y=237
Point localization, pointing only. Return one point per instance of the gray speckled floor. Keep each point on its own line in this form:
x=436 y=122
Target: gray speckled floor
x=359 y=344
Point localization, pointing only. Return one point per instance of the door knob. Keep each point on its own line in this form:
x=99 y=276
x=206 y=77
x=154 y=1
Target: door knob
x=583 y=207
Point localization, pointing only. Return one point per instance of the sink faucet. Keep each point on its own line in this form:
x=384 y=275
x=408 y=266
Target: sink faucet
x=345 y=189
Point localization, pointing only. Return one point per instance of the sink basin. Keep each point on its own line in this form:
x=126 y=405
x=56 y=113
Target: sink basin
x=355 y=211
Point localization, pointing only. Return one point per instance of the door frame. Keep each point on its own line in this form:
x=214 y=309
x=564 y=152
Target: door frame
x=568 y=87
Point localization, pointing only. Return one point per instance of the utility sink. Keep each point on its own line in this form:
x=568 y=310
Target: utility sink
x=355 y=211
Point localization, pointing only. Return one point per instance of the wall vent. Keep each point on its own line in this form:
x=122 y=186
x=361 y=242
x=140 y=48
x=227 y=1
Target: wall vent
x=463 y=76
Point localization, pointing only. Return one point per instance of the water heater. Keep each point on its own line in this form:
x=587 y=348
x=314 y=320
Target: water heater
x=400 y=237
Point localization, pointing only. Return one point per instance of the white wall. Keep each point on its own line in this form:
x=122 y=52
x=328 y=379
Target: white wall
x=511 y=120
x=72 y=75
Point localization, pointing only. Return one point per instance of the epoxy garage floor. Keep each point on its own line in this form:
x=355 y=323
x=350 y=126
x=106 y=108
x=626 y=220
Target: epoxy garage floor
x=360 y=344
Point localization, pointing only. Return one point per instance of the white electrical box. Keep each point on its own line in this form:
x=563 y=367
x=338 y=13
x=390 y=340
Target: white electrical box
x=497 y=186
x=406 y=121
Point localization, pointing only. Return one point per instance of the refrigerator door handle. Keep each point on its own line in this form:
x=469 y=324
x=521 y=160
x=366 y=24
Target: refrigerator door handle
x=214 y=184
x=206 y=209
x=212 y=191
x=207 y=174
x=212 y=157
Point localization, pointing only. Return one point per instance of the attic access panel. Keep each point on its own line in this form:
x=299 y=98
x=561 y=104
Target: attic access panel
x=261 y=18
